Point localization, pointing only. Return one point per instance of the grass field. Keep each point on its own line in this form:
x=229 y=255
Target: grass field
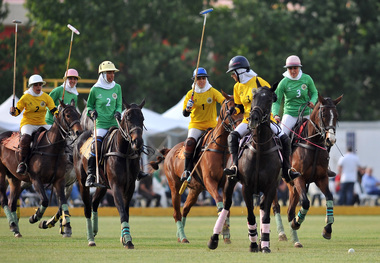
x=155 y=241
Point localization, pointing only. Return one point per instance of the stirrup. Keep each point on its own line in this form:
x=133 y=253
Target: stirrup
x=90 y=182
x=185 y=175
x=291 y=175
x=232 y=171
x=21 y=168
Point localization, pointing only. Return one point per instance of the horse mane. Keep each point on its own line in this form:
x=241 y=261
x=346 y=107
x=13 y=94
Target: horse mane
x=154 y=164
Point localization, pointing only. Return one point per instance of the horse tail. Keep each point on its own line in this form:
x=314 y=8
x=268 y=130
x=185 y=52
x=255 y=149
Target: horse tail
x=163 y=152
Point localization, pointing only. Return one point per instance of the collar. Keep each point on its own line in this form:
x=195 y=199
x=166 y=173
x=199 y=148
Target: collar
x=287 y=75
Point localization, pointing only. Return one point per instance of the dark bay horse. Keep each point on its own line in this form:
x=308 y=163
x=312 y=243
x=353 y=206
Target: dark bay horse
x=208 y=174
x=311 y=159
x=258 y=171
x=47 y=164
x=118 y=170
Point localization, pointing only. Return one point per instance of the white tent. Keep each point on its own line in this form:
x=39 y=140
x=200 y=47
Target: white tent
x=175 y=112
x=8 y=122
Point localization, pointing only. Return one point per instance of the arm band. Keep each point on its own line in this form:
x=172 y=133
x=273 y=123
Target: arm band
x=240 y=107
x=54 y=111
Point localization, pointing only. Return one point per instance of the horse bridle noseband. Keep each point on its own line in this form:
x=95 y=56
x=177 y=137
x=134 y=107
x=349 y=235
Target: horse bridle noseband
x=322 y=129
x=127 y=134
x=64 y=132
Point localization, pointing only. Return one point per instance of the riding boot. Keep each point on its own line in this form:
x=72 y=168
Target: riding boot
x=24 y=153
x=190 y=144
x=233 y=147
x=91 y=165
x=288 y=173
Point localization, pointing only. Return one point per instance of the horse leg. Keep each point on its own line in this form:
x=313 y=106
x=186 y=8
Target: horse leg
x=277 y=215
x=293 y=201
x=265 y=224
x=65 y=228
x=251 y=219
x=191 y=199
x=98 y=196
x=10 y=211
x=38 y=186
x=324 y=186
x=220 y=222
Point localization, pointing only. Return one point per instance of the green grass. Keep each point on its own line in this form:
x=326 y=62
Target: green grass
x=155 y=241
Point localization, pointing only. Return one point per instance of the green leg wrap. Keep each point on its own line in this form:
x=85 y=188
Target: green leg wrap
x=293 y=234
x=301 y=215
x=9 y=215
x=219 y=206
x=90 y=234
x=226 y=228
x=65 y=214
x=280 y=226
x=125 y=232
x=183 y=221
x=95 y=225
x=329 y=212
x=15 y=217
x=180 y=231
x=18 y=209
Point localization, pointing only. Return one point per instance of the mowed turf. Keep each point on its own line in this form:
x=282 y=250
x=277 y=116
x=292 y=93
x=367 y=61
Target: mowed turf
x=155 y=241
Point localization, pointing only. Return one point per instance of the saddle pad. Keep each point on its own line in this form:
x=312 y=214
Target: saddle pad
x=85 y=150
x=12 y=142
x=180 y=154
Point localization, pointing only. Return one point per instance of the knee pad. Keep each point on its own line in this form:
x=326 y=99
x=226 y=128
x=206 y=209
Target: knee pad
x=190 y=144
x=233 y=139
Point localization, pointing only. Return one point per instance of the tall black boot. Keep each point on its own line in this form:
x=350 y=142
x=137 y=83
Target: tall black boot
x=91 y=171
x=190 y=144
x=287 y=172
x=233 y=147
x=24 y=152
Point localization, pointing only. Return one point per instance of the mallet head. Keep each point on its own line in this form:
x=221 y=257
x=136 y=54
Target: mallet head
x=73 y=29
x=206 y=11
x=16 y=22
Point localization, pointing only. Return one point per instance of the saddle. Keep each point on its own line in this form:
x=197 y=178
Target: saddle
x=12 y=142
x=299 y=127
x=245 y=143
x=198 y=148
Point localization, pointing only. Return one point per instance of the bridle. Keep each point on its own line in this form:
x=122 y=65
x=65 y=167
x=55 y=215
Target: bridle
x=126 y=134
x=322 y=128
x=231 y=125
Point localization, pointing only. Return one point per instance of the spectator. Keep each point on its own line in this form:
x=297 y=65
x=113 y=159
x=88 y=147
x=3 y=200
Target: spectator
x=370 y=184
x=159 y=185
x=146 y=191
x=283 y=193
x=348 y=167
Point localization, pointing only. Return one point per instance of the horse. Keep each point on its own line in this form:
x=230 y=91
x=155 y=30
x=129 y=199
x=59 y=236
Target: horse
x=121 y=151
x=209 y=172
x=47 y=164
x=258 y=171
x=311 y=158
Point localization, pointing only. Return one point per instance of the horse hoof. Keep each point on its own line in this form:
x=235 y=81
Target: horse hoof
x=227 y=240
x=213 y=242
x=43 y=225
x=282 y=237
x=265 y=250
x=178 y=240
x=129 y=245
x=91 y=244
x=254 y=247
x=185 y=241
x=298 y=245
x=326 y=235
x=18 y=235
x=33 y=219
x=67 y=231
x=295 y=225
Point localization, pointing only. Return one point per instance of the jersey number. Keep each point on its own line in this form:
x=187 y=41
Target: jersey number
x=298 y=93
x=37 y=108
x=108 y=102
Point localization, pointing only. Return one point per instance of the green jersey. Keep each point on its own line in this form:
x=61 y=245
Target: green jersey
x=106 y=102
x=56 y=95
x=297 y=93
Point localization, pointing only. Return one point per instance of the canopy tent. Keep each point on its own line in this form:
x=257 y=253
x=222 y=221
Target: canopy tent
x=8 y=122
x=175 y=112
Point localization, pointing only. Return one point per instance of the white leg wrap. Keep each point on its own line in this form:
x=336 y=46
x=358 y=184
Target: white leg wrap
x=220 y=222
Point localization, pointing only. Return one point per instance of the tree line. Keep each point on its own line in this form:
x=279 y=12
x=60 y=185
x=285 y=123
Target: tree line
x=155 y=45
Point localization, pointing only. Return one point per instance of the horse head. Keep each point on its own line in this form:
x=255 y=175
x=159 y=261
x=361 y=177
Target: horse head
x=261 y=105
x=132 y=125
x=230 y=121
x=325 y=116
x=68 y=119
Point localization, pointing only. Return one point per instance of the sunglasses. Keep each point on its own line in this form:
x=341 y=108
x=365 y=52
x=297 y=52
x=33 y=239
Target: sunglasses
x=198 y=78
x=292 y=68
x=37 y=84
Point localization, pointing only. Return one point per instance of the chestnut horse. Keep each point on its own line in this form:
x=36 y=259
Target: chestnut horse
x=209 y=172
x=47 y=165
x=118 y=168
x=258 y=171
x=311 y=159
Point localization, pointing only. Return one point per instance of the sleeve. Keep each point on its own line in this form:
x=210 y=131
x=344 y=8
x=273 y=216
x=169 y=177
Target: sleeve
x=187 y=97
x=236 y=94
x=313 y=92
x=19 y=106
x=218 y=96
x=91 y=101
x=56 y=94
x=119 y=101
x=50 y=103
x=280 y=94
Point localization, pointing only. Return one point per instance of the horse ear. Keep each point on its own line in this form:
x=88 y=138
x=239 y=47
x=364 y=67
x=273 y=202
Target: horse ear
x=85 y=102
x=61 y=103
x=72 y=102
x=225 y=95
x=274 y=86
x=337 y=101
x=320 y=98
x=142 y=104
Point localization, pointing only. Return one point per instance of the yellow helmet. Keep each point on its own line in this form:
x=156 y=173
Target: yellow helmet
x=107 y=66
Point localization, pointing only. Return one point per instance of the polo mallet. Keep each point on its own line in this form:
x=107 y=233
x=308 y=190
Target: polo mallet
x=204 y=12
x=73 y=30
x=16 y=22
x=96 y=156
x=185 y=183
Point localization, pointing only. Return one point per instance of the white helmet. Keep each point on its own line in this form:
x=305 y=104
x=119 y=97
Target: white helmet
x=35 y=79
x=107 y=66
x=293 y=61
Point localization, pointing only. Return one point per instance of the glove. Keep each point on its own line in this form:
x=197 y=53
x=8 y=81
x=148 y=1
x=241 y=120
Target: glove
x=93 y=114
x=189 y=105
x=117 y=116
x=277 y=118
x=231 y=111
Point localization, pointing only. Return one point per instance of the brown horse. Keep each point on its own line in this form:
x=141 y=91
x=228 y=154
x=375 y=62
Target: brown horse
x=47 y=164
x=311 y=159
x=118 y=169
x=208 y=174
x=258 y=171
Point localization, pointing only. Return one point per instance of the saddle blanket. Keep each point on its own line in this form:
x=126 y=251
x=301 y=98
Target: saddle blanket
x=85 y=150
x=12 y=142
